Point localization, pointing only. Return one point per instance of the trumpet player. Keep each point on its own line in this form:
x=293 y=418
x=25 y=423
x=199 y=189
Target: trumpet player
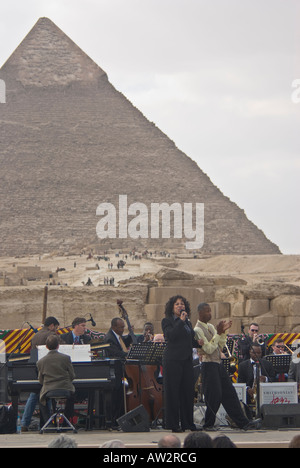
x=148 y=333
x=246 y=341
x=278 y=347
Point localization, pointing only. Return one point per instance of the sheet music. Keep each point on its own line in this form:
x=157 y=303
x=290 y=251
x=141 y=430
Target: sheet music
x=77 y=353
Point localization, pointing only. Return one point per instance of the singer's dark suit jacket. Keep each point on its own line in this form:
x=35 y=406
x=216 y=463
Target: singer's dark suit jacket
x=180 y=343
x=246 y=374
x=178 y=373
x=67 y=338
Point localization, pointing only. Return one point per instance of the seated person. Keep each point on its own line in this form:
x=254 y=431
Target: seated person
x=50 y=327
x=78 y=334
x=148 y=333
x=278 y=347
x=247 y=370
x=119 y=344
x=55 y=372
x=118 y=349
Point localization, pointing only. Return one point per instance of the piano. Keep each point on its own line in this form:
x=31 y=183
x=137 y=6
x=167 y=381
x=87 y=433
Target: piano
x=98 y=378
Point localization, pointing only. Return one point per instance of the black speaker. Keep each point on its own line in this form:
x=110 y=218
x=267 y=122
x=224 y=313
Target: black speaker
x=280 y=416
x=136 y=420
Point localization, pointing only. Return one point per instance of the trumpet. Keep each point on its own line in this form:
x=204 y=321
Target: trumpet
x=258 y=339
x=296 y=356
x=232 y=360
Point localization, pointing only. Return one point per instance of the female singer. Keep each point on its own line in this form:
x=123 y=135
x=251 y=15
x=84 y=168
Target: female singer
x=178 y=376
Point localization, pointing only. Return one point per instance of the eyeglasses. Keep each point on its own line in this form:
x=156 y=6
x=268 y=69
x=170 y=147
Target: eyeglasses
x=254 y=331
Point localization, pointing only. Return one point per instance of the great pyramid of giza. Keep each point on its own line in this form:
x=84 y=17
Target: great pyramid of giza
x=70 y=141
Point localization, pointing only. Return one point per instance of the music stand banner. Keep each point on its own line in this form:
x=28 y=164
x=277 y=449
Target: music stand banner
x=284 y=393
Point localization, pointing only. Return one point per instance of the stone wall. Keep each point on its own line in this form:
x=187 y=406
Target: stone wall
x=21 y=304
x=274 y=306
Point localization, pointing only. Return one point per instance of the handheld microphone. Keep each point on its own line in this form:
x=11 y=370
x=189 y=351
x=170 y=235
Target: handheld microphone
x=186 y=317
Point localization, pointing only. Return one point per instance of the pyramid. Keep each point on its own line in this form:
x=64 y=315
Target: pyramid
x=71 y=142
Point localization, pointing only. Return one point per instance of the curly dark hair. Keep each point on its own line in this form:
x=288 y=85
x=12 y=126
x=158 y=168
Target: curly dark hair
x=170 y=305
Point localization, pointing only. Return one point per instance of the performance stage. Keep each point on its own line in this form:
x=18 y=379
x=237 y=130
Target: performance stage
x=93 y=439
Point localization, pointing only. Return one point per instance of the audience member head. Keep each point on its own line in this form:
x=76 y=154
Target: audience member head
x=223 y=442
x=197 y=440
x=113 y=443
x=63 y=441
x=295 y=442
x=169 y=441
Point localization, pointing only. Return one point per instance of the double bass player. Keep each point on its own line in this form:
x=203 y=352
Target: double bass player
x=118 y=349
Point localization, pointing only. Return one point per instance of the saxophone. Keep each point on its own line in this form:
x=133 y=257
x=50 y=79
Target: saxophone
x=254 y=394
x=254 y=398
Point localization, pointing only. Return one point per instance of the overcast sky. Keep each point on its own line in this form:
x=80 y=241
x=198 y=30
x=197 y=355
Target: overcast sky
x=214 y=75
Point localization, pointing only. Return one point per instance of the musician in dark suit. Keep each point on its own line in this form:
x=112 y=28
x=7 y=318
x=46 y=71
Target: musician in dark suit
x=119 y=344
x=50 y=327
x=118 y=349
x=178 y=365
x=246 y=341
x=247 y=369
x=78 y=334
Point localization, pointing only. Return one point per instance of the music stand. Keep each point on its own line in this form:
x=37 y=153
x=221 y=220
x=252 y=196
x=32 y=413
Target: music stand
x=280 y=362
x=147 y=353
x=140 y=352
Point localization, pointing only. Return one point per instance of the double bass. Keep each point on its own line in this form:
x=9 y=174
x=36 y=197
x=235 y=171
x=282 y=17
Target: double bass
x=143 y=387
